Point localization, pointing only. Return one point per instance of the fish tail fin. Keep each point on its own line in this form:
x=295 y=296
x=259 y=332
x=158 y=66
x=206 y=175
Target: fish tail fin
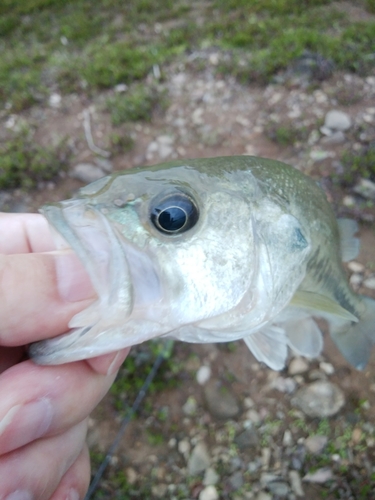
x=355 y=340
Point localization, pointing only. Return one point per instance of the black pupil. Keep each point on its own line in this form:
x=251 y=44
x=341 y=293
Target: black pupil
x=174 y=214
x=172 y=219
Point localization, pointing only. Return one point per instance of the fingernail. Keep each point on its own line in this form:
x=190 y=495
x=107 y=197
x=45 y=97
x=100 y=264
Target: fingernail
x=73 y=281
x=72 y=495
x=20 y=495
x=25 y=423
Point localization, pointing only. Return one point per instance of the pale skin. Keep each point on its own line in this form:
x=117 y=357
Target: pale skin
x=43 y=409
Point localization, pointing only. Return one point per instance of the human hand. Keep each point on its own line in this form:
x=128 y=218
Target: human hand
x=43 y=409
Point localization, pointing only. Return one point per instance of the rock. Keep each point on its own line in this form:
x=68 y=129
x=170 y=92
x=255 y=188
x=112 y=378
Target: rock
x=365 y=188
x=279 y=488
x=369 y=283
x=236 y=480
x=199 y=459
x=296 y=483
x=253 y=416
x=319 y=399
x=282 y=384
x=315 y=444
x=209 y=493
x=184 y=447
x=86 y=172
x=337 y=120
x=54 y=100
x=320 y=476
x=287 y=438
x=190 y=407
x=262 y=495
x=247 y=439
x=104 y=164
x=210 y=477
x=320 y=155
x=221 y=402
x=327 y=368
x=336 y=137
x=356 y=267
x=159 y=490
x=203 y=374
x=131 y=475
x=298 y=365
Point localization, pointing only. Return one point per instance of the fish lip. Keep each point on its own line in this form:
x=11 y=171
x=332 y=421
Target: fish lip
x=87 y=231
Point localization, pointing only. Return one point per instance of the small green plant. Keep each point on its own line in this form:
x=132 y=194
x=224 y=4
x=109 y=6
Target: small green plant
x=136 y=105
x=358 y=165
x=24 y=163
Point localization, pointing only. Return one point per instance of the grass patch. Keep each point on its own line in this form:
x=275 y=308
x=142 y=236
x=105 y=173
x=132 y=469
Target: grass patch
x=358 y=165
x=87 y=46
x=135 y=105
x=24 y=164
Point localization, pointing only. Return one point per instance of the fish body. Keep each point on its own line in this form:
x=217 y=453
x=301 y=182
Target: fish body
x=211 y=250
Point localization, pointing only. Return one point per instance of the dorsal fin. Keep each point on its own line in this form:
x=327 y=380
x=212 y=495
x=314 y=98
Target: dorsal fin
x=348 y=242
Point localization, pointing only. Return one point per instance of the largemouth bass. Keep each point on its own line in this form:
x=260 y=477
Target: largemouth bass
x=211 y=250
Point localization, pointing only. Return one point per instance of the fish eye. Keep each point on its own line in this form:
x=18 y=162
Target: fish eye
x=174 y=214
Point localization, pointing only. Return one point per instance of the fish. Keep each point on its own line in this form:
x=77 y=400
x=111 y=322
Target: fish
x=211 y=250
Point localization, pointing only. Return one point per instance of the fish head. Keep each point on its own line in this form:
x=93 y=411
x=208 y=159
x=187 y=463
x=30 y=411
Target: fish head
x=164 y=246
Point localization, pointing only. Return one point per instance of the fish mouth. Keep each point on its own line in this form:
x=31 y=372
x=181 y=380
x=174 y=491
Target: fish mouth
x=86 y=230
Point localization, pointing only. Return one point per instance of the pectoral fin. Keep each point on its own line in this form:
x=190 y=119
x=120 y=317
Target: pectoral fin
x=269 y=346
x=304 y=337
x=321 y=304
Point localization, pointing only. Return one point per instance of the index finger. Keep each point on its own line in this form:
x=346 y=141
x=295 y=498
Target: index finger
x=24 y=233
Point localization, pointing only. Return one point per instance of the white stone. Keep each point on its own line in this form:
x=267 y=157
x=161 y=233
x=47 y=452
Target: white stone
x=356 y=267
x=287 y=438
x=296 y=483
x=209 y=493
x=211 y=477
x=320 y=476
x=337 y=120
x=327 y=368
x=298 y=365
x=315 y=444
x=319 y=399
x=54 y=100
x=86 y=172
x=184 y=447
x=370 y=283
x=203 y=374
x=199 y=459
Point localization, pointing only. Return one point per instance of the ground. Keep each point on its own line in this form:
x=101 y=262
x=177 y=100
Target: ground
x=258 y=443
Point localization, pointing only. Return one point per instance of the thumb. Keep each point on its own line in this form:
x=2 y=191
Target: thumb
x=39 y=294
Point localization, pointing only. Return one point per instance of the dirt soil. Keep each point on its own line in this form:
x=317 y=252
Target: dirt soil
x=211 y=115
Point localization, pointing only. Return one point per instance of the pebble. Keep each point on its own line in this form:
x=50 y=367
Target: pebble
x=203 y=374
x=370 y=283
x=236 y=480
x=337 y=137
x=356 y=267
x=365 y=188
x=337 y=120
x=131 y=475
x=159 y=490
x=55 y=100
x=220 y=401
x=297 y=366
x=86 y=172
x=296 y=483
x=282 y=384
x=190 y=407
x=253 y=416
x=327 y=368
x=279 y=488
x=262 y=495
x=184 y=447
x=319 y=399
x=209 y=493
x=315 y=444
x=211 y=477
x=247 y=439
x=199 y=459
x=320 y=476
x=287 y=438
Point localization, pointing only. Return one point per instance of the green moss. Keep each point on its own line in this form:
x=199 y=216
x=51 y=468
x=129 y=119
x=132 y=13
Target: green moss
x=136 y=105
x=24 y=163
x=358 y=165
